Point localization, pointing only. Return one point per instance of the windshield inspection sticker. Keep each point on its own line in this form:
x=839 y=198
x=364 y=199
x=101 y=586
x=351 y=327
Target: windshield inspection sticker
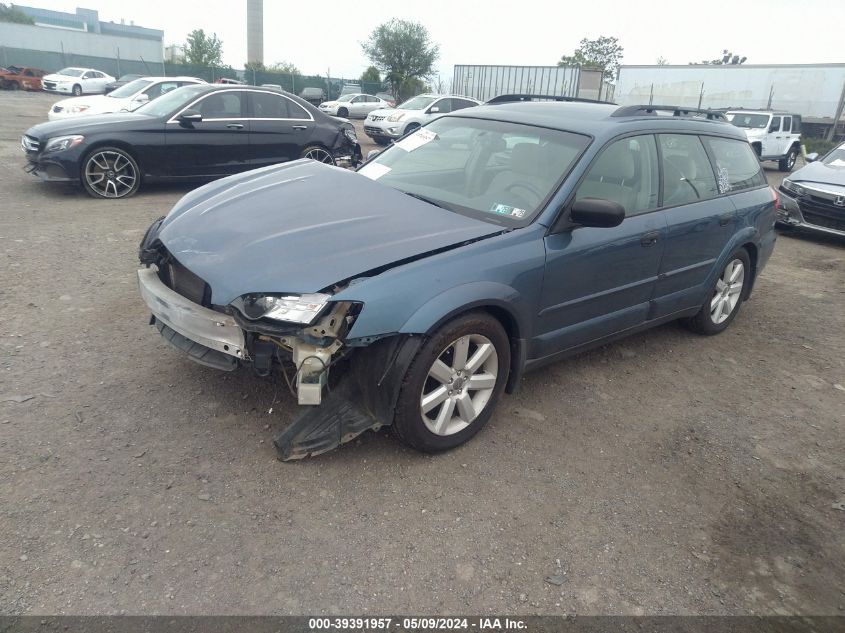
x=505 y=209
x=416 y=140
x=374 y=171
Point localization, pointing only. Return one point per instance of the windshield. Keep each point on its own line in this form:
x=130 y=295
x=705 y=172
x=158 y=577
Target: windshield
x=835 y=158
x=171 y=101
x=71 y=72
x=347 y=97
x=417 y=103
x=491 y=170
x=756 y=121
x=130 y=89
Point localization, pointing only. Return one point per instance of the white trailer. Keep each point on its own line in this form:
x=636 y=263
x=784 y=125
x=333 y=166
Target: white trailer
x=483 y=82
x=815 y=91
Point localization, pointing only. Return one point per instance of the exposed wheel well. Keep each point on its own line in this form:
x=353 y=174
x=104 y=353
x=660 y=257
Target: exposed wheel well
x=752 y=255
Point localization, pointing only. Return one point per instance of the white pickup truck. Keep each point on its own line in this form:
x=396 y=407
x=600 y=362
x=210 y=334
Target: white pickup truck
x=773 y=135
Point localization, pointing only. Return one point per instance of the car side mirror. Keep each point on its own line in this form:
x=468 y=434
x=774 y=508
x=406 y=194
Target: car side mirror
x=596 y=212
x=812 y=157
x=141 y=98
x=433 y=110
x=190 y=116
x=373 y=153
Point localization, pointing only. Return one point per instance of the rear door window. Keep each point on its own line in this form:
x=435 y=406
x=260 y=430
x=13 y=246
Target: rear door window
x=687 y=173
x=787 y=124
x=222 y=105
x=737 y=166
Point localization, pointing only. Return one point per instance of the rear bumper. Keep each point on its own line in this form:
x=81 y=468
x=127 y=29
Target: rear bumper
x=214 y=330
x=791 y=214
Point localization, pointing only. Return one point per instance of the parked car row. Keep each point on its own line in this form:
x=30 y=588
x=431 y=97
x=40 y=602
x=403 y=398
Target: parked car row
x=21 y=78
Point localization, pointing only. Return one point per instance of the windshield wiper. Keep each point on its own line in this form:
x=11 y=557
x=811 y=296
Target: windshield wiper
x=420 y=196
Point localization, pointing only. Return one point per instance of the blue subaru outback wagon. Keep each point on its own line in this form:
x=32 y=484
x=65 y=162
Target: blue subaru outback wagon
x=492 y=241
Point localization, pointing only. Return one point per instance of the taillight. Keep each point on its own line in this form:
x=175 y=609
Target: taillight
x=774 y=197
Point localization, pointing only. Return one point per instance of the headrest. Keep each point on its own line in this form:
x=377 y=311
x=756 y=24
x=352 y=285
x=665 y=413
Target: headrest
x=527 y=158
x=616 y=162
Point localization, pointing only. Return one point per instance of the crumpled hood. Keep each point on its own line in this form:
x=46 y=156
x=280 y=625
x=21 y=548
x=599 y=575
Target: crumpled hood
x=820 y=173
x=302 y=227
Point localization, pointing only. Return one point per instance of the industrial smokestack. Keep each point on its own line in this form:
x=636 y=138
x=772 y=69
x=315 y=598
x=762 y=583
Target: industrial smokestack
x=255 y=30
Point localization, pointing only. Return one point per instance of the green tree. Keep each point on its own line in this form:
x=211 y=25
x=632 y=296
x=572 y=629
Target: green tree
x=256 y=66
x=8 y=13
x=727 y=59
x=402 y=50
x=603 y=53
x=284 y=67
x=203 y=50
x=372 y=75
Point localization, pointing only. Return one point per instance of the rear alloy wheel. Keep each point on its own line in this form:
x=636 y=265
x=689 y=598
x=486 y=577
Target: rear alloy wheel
x=77 y=90
x=787 y=163
x=319 y=154
x=109 y=172
x=453 y=384
x=726 y=296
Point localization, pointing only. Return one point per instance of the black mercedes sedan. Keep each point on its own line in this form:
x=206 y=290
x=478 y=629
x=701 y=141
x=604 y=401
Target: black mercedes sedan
x=195 y=132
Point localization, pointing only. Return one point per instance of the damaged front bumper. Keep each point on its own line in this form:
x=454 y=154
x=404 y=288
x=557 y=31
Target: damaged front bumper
x=365 y=397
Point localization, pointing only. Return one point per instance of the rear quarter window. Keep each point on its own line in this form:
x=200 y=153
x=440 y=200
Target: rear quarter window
x=737 y=167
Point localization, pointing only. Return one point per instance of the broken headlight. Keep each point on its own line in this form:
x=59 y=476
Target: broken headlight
x=291 y=308
x=350 y=134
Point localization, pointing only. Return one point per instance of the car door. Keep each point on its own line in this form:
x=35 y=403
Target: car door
x=701 y=219
x=374 y=103
x=217 y=145
x=279 y=129
x=785 y=135
x=460 y=104
x=599 y=281
x=357 y=106
x=772 y=141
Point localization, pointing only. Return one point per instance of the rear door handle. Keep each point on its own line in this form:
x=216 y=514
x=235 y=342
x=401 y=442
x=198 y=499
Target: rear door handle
x=235 y=126
x=299 y=127
x=650 y=238
x=725 y=218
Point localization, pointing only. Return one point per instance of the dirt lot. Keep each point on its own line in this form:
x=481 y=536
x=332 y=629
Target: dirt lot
x=665 y=474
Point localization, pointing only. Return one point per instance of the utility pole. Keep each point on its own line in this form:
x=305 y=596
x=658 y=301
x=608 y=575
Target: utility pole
x=832 y=132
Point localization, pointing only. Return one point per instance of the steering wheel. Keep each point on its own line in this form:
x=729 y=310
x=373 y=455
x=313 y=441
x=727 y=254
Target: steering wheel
x=530 y=188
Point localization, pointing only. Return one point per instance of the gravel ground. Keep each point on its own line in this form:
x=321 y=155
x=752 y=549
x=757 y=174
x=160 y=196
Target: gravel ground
x=667 y=473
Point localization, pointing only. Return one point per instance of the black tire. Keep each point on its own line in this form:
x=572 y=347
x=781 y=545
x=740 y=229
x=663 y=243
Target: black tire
x=758 y=149
x=408 y=424
x=788 y=161
x=13 y=85
x=318 y=153
x=380 y=140
x=411 y=127
x=342 y=112
x=127 y=166
x=77 y=90
x=703 y=322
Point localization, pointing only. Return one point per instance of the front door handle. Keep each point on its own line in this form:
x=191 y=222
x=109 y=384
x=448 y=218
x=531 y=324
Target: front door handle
x=725 y=218
x=299 y=127
x=650 y=238
x=235 y=126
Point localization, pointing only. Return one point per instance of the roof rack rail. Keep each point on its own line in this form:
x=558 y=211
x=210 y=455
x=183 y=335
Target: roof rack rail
x=679 y=111
x=517 y=98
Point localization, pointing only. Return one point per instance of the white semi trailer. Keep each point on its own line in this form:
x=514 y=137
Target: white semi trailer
x=815 y=91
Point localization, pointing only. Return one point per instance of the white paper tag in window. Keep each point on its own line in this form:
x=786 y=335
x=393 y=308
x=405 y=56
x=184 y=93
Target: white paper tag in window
x=416 y=140
x=374 y=171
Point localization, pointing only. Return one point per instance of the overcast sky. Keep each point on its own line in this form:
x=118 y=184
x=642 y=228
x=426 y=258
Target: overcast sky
x=320 y=34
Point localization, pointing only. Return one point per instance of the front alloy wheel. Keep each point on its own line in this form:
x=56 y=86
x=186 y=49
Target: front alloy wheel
x=452 y=385
x=459 y=384
x=110 y=173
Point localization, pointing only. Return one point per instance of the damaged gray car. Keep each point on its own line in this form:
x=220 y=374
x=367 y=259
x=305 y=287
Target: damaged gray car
x=413 y=292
